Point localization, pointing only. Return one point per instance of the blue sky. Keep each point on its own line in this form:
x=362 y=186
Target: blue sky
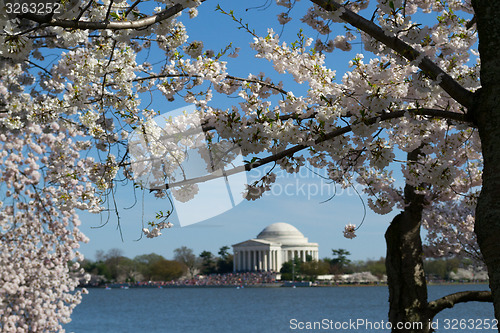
x=302 y=206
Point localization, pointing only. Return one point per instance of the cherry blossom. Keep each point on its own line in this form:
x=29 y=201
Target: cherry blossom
x=62 y=131
x=350 y=231
x=64 y=126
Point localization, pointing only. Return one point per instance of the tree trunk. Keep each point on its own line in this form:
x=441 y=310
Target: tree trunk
x=486 y=115
x=404 y=265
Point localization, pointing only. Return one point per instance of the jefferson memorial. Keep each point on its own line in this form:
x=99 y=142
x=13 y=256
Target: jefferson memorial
x=275 y=245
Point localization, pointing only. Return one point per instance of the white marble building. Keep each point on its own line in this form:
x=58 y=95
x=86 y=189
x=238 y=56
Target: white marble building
x=275 y=245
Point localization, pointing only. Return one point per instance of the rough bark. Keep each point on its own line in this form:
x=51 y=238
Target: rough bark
x=449 y=301
x=486 y=114
x=431 y=69
x=404 y=264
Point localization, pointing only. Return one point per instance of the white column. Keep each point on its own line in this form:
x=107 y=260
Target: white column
x=268 y=260
x=242 y=266
x=254 y=266
x=259 y=260
x=273 y=260
x=246 y=260
x=264 y=260
x=279 y=258
x=252 y=260
x=257 y=254
x=277 y=254
x=256 y=261
x=249 y=263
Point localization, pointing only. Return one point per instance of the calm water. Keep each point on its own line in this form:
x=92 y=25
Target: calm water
x=220 y=310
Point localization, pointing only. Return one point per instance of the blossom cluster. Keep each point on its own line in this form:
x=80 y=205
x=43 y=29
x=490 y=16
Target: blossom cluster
x=350 y=231
x=270 y=118
x=63 y=125
x=156 y=230
x=448 y=166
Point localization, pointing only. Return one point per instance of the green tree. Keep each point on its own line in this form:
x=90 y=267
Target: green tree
x=166 y=270
x=311 y=269
x=112 y=262
x=225 y=261
x=291 y=269
x=144 y=264
x=442 y=267
x=339 y=262
x=186 y=256
x=97 y=268
x=376 y=267
x=208 y=264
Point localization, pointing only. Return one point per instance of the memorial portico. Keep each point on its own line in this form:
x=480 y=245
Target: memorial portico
x=275 y=245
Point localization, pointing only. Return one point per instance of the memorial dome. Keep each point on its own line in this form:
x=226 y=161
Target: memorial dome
x=283 y=233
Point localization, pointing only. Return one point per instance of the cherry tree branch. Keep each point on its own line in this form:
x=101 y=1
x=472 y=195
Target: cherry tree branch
x=325 y=137
x=451 y=300
x=131 y=8
x=433 y=71
x=85 y=25
x=231 y=77
x=109 y=9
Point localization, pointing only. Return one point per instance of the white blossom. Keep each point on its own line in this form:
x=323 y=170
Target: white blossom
x=350 y=231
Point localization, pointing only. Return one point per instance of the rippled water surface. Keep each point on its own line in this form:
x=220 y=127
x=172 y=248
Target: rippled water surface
x=216 y=310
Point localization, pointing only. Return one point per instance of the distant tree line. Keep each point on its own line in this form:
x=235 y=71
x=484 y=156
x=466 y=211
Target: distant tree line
x=436 y=269
x=113 y=266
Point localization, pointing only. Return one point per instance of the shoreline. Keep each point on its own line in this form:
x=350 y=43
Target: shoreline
x=297 y=284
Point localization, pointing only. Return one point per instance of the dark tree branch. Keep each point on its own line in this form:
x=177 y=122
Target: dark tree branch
x=471 y=23
x=328 y=136
x=109 y=10
x=40 y=67
x=235 y=78
x=447 y=302
x=132 y=7
x=84 y=10
x=452 y=87
x=84 y=25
